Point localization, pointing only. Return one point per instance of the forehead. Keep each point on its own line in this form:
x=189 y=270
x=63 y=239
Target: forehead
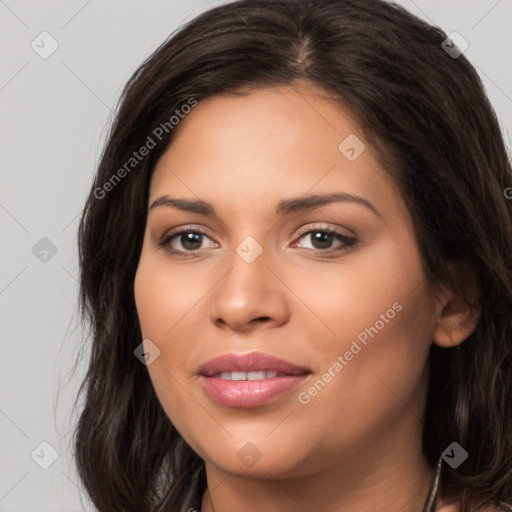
x=281 y=118
x=270 y=143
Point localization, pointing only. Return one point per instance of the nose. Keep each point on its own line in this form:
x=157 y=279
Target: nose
x=249 y=296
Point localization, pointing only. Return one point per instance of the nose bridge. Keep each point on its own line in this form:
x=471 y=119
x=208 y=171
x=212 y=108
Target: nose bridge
x=248 y=275
x=249 y=290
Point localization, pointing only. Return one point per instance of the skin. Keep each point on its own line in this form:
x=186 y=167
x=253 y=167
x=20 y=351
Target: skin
x=356 y=445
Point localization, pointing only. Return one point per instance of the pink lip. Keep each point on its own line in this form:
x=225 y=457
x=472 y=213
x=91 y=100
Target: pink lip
x=252 y=362
x=249 y=393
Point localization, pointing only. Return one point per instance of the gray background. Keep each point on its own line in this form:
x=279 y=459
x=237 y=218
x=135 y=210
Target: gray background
x=54 y=115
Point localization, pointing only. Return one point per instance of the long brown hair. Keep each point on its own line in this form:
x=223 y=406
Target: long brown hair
x=426 y=115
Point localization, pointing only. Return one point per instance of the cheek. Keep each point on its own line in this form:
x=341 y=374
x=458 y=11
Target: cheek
x=165 y=295
x=162 y=301
x=368 y=390
x=381 y=328
x=363 y=293
x=170 y=301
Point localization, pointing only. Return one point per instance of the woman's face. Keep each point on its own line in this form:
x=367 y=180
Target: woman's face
x=333 y=287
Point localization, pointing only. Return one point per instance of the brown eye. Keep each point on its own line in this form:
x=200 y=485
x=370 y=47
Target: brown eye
x=322 y=240
x=184 y=241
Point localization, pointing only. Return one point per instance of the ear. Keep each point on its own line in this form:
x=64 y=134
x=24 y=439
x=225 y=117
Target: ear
x=457 y=312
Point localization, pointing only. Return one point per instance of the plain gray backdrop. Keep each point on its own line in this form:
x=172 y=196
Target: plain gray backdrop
x=54 y=112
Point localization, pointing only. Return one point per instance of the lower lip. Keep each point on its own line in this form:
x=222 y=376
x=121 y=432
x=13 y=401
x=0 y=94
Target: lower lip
x=250 y=393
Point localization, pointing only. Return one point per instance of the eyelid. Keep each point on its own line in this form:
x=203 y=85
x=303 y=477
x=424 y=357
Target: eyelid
x=324 y=227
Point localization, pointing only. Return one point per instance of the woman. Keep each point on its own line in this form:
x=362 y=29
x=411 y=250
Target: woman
x=296 y=260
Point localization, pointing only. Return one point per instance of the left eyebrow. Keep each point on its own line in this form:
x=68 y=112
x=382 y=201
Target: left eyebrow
x=295 y=204
x=284 y=207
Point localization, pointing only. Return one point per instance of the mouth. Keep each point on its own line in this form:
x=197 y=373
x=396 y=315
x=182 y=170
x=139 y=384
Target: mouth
x=249 y=380
x=261 y=375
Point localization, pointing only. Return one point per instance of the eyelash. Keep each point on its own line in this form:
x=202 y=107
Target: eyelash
x=347 y=242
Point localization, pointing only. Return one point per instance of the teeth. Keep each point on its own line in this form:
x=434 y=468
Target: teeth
x=255 y=375
x=261 y=375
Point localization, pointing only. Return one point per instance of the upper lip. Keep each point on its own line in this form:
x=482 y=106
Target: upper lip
x=252 y=362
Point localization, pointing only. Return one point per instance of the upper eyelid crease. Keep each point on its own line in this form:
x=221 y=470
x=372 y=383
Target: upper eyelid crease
x=284 y=207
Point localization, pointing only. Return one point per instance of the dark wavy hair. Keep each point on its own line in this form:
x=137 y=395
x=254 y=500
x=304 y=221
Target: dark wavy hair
x=426 y=116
